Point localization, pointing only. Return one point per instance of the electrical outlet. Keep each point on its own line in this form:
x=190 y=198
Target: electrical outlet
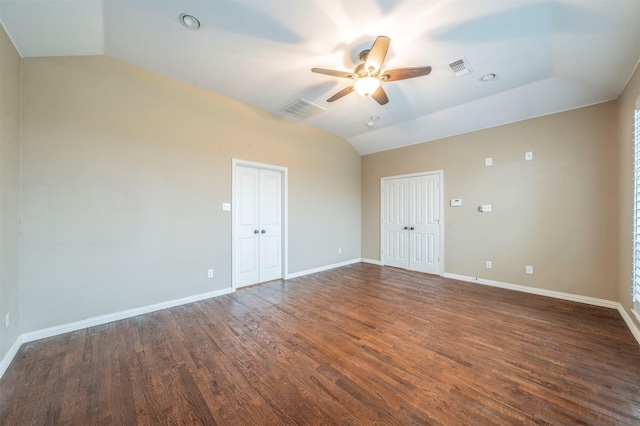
x=528 y=155
x=339 y=251
x=7 y=320
x=489 y=264
x=488 y=161
x=210 y=273
x=528 y=269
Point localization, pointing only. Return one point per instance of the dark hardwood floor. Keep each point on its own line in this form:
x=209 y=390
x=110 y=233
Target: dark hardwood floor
x=356 y=345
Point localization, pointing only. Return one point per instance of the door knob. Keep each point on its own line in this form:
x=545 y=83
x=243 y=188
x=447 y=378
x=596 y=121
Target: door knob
x=411 y=228
x=255 y=231
x=405 y=228
x=263 y=231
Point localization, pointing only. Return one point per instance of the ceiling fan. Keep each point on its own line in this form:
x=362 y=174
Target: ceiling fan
x=368 y=75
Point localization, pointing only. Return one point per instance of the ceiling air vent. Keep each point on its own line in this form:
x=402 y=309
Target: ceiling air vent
x=460 y=67
x=302 y=109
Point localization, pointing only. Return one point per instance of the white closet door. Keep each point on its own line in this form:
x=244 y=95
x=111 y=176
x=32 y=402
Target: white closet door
x=270 y=225
x=411 y=222
x=248 y=226
x=258 y=255
x=396 y=222
x=424 y=219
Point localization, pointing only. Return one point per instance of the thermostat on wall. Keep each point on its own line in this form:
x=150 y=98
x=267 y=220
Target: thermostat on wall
x=455 y=202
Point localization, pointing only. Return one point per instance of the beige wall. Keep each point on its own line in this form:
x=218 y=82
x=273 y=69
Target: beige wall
x=626 y=107
x=557 y=212
x=9 y=192
x=124 y=171
x=123 y=176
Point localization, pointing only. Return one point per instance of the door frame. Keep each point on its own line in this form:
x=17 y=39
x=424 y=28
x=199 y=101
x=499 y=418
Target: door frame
x=440 y=173
x=235 y=162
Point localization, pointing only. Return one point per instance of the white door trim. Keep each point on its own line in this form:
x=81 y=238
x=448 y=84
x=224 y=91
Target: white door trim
x=235 y=162
x=440 y=173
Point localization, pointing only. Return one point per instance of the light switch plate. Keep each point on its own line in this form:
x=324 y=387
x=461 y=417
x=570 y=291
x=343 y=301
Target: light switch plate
x=528 y=155
x=488 y=161
x=226 y=207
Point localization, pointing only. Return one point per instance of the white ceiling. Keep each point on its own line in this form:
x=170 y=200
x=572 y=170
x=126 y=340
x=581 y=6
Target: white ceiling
x=549 y=56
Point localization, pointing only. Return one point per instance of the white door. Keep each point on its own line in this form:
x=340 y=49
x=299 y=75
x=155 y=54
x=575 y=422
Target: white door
x=395 y=219
x=247 y=226
x=424 y=220
x=411 y=222
x=270 y=224
x=258 y=207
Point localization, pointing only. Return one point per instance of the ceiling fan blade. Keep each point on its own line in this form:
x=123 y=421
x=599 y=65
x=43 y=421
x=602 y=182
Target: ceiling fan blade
x=341 y=93
x=333 y=73
x=404 y=73
x=380 y=96
x=378 y=52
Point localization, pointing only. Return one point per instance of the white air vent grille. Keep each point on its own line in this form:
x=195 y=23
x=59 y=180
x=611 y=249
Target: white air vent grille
x=302 y=109
x=460 y=67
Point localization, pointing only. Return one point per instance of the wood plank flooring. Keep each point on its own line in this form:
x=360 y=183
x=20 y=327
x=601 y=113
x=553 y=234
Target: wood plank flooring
x=357 y=345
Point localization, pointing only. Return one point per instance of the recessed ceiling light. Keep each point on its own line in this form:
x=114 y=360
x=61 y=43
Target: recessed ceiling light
x=375 y=117
x=369 y=124
x=487 y=77
x=190 y=21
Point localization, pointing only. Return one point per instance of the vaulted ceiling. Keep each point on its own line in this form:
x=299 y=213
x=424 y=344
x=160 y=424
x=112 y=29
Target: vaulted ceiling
x=548 y=56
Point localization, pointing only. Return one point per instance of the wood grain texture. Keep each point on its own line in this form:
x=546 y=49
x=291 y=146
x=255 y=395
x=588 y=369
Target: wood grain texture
x=357 y=345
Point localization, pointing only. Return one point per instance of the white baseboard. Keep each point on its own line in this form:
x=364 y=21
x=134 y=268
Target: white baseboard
x=630 y=322
x=322 y=268
x=104 y=319
x=633 y=327
x=13 y=350
x=99 y=320
x=116 y=316
x=539 y=291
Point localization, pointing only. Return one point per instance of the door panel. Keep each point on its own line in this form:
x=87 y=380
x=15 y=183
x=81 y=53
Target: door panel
x=417 y=218
x=248 y=260
x=415 y=203
x=432 y=226
x=247 y=247
x=258 y=225
x=396 y=217
x=271 y=223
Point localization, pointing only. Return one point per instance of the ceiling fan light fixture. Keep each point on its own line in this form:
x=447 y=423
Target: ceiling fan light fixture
x=190 y=21
x=368 y=83
x=366 y=86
